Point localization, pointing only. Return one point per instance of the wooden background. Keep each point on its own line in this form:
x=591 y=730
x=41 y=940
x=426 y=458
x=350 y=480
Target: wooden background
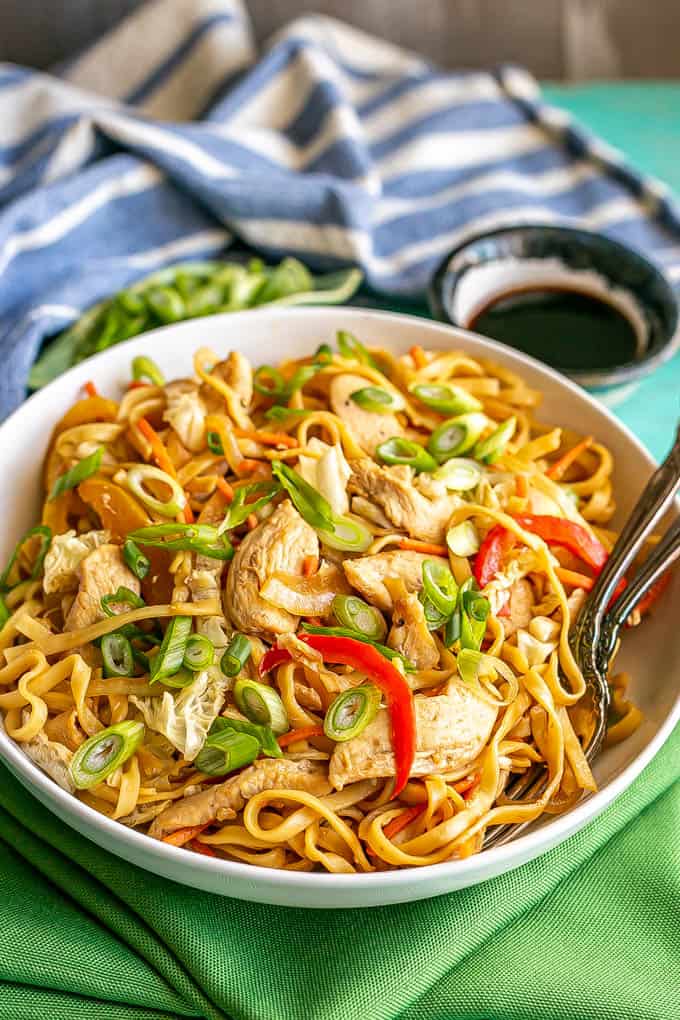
x=573 y=40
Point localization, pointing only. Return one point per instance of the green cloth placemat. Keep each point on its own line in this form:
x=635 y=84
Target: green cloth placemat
x=590 y=930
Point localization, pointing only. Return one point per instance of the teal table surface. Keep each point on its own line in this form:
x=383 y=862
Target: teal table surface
x=641 y=119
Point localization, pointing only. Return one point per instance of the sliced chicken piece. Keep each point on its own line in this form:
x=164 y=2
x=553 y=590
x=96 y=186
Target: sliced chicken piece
x=409 y=634
x=185 y=413
x=521 y=607
x=367 y=574
x=451 y=731
x=408 y=509
x=53 y=758
x=236 y=372
x=102 y=572
x=226 y=800
x=368 y=428
x=279 y=544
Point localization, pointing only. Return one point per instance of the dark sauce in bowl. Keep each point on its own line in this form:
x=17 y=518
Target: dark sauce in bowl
x=565 y=328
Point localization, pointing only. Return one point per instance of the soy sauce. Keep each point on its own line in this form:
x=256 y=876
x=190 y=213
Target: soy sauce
x=568 y=329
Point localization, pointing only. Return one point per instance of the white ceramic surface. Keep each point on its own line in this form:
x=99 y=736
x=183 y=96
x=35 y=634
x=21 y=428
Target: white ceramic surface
x=649 y=652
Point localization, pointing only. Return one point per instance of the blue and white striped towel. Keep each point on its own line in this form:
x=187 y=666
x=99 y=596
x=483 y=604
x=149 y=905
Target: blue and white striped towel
x=167 y=139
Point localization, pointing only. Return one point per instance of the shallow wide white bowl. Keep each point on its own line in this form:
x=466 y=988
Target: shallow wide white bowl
x=269 y=336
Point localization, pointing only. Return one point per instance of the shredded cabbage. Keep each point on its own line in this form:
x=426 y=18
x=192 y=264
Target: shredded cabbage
x=186 y=414
x=328 y=475
x=65 y=555
x=185 y=716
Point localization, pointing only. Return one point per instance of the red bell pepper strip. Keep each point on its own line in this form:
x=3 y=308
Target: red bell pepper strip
x=654 y=593
x=492 y=553
x=569 y=534
x=367 y=659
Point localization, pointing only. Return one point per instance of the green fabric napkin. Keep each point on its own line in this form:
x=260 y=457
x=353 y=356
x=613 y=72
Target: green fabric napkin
x=590 y=930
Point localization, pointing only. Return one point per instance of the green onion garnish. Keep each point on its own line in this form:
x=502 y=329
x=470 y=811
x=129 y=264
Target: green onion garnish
x=445 y=398
x=198 y=538
x=182 y=678
x=103 y=753
x=309 y=503
x=280 y=414
x=323 y=355
x=489 y=450
x=199 y=653
x=433 y=618
x=45 y=535
x=389 y=653
x=135 y=478
x=475 y=609
x=117 y=655
x=452 y=628
x=226 y=751
x=440 y=586
x=459 y=474
x=373 y=398
x=145 y=368
x=166 y=303
x=4 y=612
x=404 y=451
x=463 y=539
x=170 y=655
x=236 y=655
x=346 y=533
x=261 y=704
x=214 y=444
x=351 y=611
x=135 y=559
x=78 y=473
x=456 y=436
x=351 y=712
x=268 y=742
x=123 y=597
x=349 y=347
x=240 y=509
x=268 y=381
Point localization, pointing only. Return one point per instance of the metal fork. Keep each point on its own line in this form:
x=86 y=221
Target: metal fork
x=594 y=636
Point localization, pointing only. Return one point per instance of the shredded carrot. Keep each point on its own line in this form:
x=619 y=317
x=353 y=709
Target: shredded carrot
x=310 y=565
x=575 y=579
x=247 y=467
x=402 y=820
x=137 y=384
x=521 y=487
x=251 y=522
x=558 y=467
x=418 y=355
x=225 y=488
x=160 y=454
x=188 y=514
x=467 y=785
x=304 y=733
x=182 y=836
x=267 y=438
x=202 y=848
x=424 y=547
x=91 y=389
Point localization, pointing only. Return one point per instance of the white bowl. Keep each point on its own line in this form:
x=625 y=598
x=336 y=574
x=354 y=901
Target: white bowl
x=269 y=336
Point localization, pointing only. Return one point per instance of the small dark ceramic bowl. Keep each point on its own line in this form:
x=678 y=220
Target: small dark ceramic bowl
x=536 y=256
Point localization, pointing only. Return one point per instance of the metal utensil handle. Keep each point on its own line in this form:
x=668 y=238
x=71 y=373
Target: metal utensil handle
x=656 y=564
x=654 y=500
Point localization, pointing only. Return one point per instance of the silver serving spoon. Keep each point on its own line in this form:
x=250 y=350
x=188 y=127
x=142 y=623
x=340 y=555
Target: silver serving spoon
x=595 y=634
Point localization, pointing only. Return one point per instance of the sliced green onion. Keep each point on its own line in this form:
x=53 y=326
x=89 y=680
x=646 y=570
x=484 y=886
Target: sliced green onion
x=78 y=473
x=268 y=742
x=440 y=586
x=349 y=347
x=215 y=443
x=279 y=413
x=236 y=655
x=240 y=509
x=404 y=451
x=170 y=655
x=117 y=655
x=123 y=597
x=445 y=398
x=389 y=653
x=145 y=368
x=182 y=678
x=199 y=538
x=433 y=618
x=135 y=559
x=453 y=628
x=4 y=612
x=475 y=609
x=351 y=611
x=309 y=503
x=374 y=398
x=45 y=535
x=199 y=653
x=490 y=449
x=323 y=355
x=166 y=303
x=103 y=753
x=463 y=539
x=226 y=751
x=346 y=533
x=268 y=381
x=139 y=474
x=459 y=474
x=456 y=436
x=261 y=704
x=470 y=664
x=350 y=713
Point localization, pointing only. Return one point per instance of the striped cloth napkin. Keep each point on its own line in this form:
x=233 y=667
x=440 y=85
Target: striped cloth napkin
x=169 y=137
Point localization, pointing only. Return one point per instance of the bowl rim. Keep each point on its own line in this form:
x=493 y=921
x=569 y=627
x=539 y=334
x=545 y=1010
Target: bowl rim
x=627 y=372
x=488 y=862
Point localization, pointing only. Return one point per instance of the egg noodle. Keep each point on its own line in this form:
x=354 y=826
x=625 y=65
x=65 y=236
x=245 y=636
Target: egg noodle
x=193 y=683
